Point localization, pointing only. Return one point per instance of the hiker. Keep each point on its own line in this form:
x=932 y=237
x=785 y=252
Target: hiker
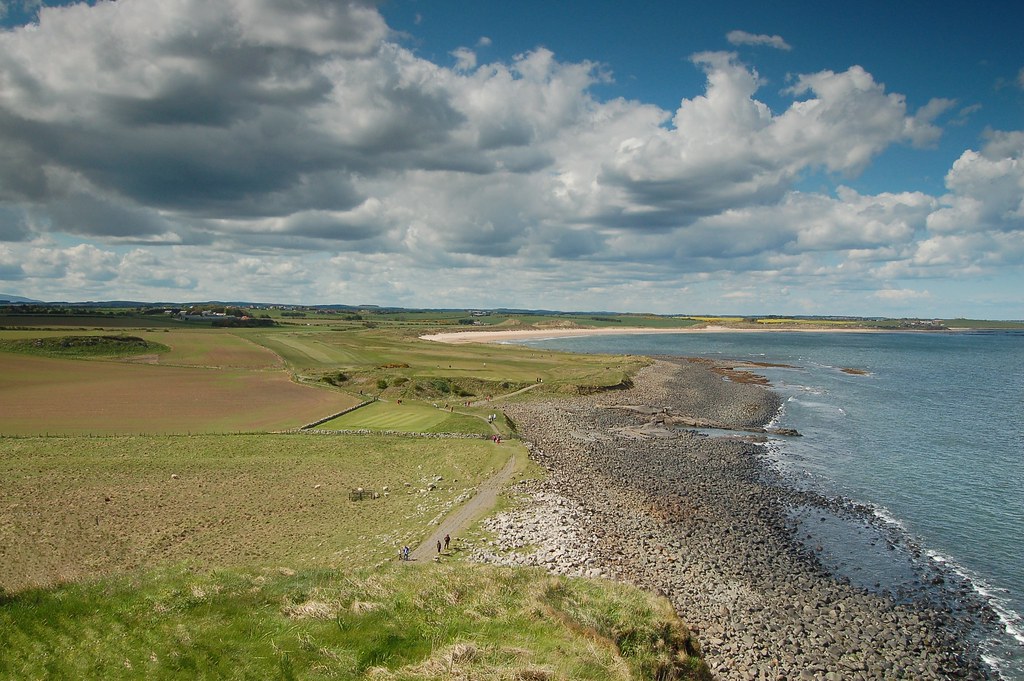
x=447 y=539
x=439 y=546
x=405 y=552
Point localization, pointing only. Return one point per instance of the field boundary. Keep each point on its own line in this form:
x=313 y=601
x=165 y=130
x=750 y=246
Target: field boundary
x=314 y=424
x=400 y=433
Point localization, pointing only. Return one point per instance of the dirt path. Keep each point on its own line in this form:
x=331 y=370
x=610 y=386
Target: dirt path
x=462 y=517
x=481 y=403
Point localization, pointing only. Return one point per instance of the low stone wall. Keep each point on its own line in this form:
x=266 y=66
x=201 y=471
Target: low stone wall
x=309 y=426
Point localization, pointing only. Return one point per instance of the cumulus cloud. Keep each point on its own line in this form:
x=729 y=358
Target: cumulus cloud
x=465 y=59
x=220 y=148
x=986 y=188
x=744 y=38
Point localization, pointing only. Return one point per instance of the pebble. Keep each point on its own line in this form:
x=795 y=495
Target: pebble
x=697 y=519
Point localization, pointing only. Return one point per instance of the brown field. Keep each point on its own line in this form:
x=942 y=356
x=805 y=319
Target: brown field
x=82 y=507
x=212 y=348
x=41 y=396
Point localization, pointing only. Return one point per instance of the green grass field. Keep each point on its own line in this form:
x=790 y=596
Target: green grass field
x=243 y=556
x=374 y=354
x=413 y=418
x=77 y=508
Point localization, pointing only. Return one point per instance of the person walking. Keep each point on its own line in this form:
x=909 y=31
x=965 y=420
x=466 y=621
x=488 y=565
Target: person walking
x=439 y=546
x=447 y=539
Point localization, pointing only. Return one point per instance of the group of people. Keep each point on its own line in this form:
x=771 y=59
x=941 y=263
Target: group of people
x=404 y=553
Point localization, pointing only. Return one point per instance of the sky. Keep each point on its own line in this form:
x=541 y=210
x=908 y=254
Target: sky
x=668 y=157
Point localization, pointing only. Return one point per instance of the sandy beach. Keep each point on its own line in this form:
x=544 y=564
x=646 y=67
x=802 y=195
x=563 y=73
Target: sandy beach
x=512 y=335
x=705 y=522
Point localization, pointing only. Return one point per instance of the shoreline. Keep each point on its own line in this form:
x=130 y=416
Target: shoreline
x=705 y=522
x=511 y=335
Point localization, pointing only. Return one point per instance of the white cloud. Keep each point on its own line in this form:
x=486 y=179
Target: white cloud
x=256 y=149
x=465 y=59
x=744 y=38
x=986 y=188
x=901 y=295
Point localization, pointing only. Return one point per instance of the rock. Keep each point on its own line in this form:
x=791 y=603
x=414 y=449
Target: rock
x=703 y=521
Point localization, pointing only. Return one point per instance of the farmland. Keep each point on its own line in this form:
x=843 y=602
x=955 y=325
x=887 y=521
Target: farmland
x=40 y=395
x=161 y=529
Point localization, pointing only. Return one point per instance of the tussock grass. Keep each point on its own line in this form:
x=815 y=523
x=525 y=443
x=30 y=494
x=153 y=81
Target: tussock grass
x=402 y=622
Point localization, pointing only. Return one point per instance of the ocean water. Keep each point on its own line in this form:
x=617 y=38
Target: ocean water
x=930 y=438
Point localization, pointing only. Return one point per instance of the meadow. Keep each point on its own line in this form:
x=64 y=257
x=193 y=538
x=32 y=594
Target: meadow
x=162 y=530
x=80 y=507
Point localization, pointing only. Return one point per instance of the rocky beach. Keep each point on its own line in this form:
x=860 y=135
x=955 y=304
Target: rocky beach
x=633 y=496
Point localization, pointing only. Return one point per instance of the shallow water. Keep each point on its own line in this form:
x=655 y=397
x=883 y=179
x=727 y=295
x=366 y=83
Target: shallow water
x=929 y=437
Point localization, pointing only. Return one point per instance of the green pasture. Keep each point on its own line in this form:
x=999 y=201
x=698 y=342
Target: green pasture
x=412 y=418
x=82 y=507
x=402 y=360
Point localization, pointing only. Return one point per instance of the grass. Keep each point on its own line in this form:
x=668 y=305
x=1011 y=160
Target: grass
x=242 y=556
x=219 y=348
x=430 y=621
x=414 y=418
x=83 y=346
x=371 y=355
x=981 y=324
x=77 y=508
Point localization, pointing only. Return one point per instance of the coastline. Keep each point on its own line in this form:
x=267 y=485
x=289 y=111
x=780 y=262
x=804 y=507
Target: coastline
x=512 y=335
x=703 y=521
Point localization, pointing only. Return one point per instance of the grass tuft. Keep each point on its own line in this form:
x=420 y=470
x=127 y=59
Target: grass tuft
x=399 y=622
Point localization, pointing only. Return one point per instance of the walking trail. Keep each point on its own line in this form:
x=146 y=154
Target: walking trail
x=461 y=518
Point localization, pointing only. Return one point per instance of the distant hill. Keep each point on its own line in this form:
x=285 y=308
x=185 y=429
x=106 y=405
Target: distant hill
x=8 y=298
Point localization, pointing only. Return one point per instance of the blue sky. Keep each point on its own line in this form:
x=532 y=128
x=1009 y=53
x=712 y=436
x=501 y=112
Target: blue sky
x=863 y=158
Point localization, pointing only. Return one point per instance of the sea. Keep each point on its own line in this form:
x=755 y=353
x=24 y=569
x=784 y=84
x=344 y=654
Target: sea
x=924 y=429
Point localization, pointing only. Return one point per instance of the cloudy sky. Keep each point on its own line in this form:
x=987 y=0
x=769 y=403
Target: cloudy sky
x=656 y=157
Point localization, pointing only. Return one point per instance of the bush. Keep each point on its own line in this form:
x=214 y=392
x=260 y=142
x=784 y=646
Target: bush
x=382 y=383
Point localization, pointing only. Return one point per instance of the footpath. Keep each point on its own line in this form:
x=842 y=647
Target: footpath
x=461 y=518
